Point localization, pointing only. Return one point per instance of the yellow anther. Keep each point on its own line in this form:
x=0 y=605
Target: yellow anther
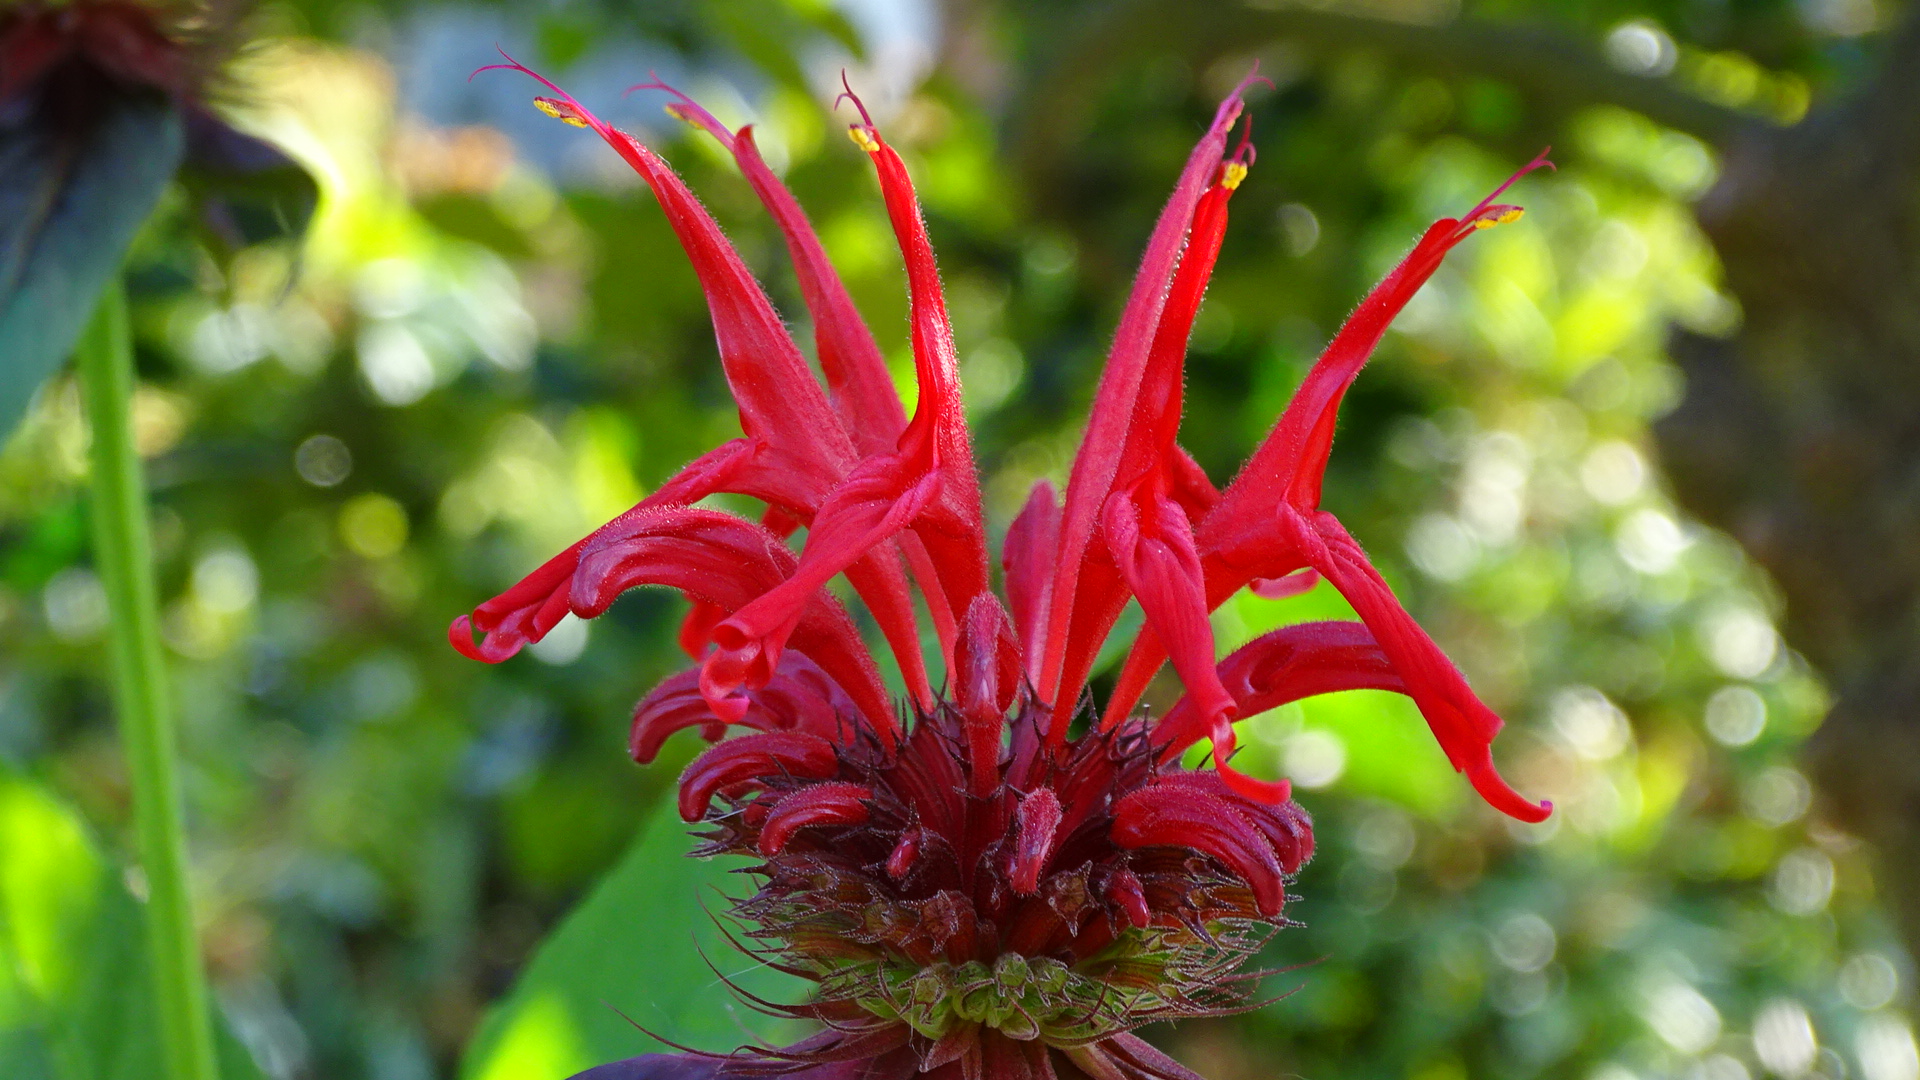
x=1504 y=217
x=560 y=111
x=863 y=138
x=1232 y=174
x=675 y=111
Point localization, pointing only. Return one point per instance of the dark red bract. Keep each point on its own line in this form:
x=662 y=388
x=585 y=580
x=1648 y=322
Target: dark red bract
x=976 y=893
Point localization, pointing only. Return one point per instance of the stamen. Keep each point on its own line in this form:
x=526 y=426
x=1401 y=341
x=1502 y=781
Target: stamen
x=1231 y=174
x=1506 y=215
x=1539 y=162
x=685 y=109
x=560 y=110
x=563 y=107
x=1253 y=76
x=1244 y=153
x=862 y=137
x=847 y=94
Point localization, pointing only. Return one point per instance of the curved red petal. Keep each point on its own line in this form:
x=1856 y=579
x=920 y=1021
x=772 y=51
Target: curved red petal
x=1152 y=545
x=1464 y=726
x=1182 y=816
x=1286 y=665
x=838 y=803
x=672 y=706
x=799 y=697
x=514 y=618
x=864 y=513
x=742 y=764
x=729 y=562
x=1284 y=824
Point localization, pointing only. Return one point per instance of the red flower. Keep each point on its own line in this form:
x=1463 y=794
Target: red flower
x=976 y=893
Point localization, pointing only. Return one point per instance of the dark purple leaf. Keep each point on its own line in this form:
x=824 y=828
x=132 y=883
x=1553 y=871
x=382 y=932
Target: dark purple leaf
x=657 y=1067
x=81 y=167
x=244 y=189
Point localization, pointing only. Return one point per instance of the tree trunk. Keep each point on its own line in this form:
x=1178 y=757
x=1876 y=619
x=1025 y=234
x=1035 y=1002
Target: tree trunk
x=1800 y=435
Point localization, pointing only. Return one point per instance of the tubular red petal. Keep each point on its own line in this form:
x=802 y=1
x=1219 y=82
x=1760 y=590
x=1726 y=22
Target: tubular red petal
x=1148 y=532
x=1036 y=830
x=936 y=439
x=1289 y=464
x=1027 y=559
x=1289 y=664
x=1094 y=467
x=900 y=861
x=864 y=513
x=741 y=764
x=857 y=377
x=1152 y=544
x=817 y=804
x=781 y=404
x=696 y=629
x=798 y=448
x=514 y=618
x=1182 y=816
x=1124 y=889
x=1156 y=537
x=984 y=681
x=674 y=705
x=930 y=474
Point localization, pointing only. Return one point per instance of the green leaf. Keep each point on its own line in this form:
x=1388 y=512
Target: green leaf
x=74 y=996
x=634 y=946
x=72 y=195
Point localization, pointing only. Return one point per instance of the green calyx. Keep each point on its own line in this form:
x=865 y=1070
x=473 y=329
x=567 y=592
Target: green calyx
x=1022 y=997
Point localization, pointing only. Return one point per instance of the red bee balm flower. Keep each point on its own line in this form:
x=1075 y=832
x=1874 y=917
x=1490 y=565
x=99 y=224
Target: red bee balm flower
x=977 y=894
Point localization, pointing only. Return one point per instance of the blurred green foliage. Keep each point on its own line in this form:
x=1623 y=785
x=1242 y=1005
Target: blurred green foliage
x=73 y=956
x=478 y=355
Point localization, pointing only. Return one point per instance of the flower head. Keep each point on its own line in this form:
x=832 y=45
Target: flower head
x=977 y=893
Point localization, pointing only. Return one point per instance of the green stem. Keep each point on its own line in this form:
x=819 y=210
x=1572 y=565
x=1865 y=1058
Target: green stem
x=123 y=550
